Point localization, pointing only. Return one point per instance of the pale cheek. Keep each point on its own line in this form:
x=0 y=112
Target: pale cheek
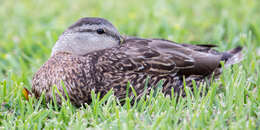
x=80 y=38
x=104 y=43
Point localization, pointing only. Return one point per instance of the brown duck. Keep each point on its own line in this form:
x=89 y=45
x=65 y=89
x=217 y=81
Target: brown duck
x=92 y=55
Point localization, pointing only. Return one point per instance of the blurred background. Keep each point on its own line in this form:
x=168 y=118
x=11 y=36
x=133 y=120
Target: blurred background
x=29 y=28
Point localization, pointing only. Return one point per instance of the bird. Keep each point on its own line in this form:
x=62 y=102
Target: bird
x=91 y=55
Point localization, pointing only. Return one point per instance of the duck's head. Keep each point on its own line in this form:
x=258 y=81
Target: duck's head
x=87 y=35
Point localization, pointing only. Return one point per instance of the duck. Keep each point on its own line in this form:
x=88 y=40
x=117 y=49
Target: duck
x=91 y=55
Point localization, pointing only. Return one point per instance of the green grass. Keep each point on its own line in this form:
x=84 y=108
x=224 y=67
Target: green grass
x=29 y=29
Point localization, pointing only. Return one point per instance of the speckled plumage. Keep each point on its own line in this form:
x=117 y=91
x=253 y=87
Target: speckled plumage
x=133 y=61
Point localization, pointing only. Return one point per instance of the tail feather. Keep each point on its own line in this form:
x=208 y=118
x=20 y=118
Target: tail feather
x=236 y=56
x=235 y=50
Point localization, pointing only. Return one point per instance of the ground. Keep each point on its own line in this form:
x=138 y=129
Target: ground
x=29 y=29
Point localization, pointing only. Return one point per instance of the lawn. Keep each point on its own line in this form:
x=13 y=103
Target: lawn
x=29 y=29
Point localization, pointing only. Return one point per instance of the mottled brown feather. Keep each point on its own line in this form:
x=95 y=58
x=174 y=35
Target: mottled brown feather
x=134 y=61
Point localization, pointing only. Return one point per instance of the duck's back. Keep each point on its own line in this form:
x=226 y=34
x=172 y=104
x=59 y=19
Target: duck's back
x=144 y=61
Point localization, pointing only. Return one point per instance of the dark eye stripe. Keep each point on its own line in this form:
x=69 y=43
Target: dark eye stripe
x=86 y=30
x=107 y=33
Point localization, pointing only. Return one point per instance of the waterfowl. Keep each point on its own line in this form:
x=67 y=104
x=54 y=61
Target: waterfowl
x=92 y=55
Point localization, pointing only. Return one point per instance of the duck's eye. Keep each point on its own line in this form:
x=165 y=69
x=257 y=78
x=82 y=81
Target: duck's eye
x=100 y=31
